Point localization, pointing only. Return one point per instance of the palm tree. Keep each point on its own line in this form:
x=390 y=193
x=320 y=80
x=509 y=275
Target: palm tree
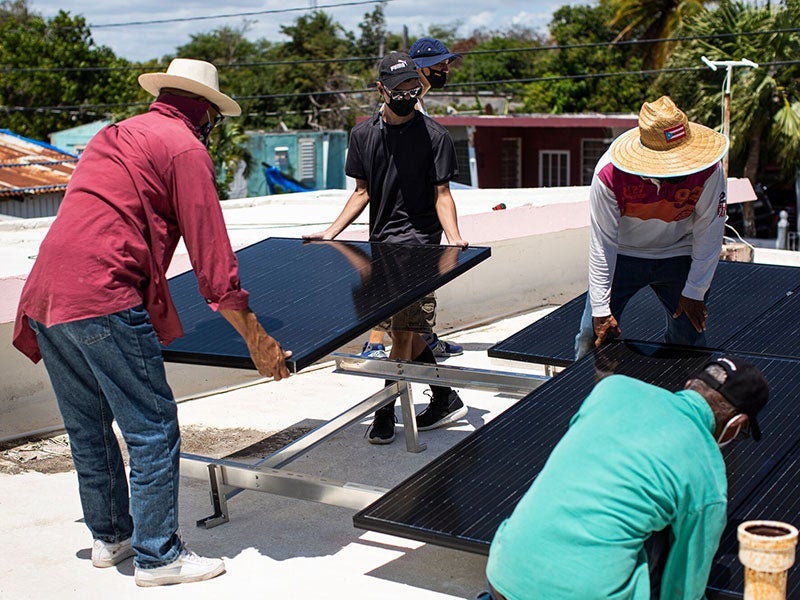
x=652 y=19
x=765 y=102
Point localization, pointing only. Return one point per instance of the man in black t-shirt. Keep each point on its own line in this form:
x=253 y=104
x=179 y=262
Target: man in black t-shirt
x=403 y=163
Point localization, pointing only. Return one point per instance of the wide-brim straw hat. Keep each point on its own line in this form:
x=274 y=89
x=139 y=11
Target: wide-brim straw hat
x=667 y=144
x=194 y=76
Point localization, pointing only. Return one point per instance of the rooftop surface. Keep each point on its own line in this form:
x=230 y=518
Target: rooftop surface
x=272 y=545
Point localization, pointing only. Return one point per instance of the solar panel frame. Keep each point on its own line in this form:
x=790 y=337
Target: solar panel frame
x=311 y=298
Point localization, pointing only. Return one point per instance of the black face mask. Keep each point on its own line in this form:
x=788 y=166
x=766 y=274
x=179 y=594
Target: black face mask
x=437 y=79
x=205 y=133
x=402 y=108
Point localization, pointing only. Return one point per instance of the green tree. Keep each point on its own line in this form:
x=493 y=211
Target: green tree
x=651 y=19
x=764 y=101
x=318 y=38
x=484 y=60
x=573 y=87
x=229 y=150
x=54 y=75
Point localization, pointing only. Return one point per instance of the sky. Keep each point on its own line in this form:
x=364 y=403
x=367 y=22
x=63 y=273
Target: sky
x=143 y=42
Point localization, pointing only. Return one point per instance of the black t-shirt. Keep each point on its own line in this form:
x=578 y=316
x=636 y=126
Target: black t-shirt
x=402 y=164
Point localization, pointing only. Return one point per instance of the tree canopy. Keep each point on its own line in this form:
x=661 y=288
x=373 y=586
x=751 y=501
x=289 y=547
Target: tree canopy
x=595 y=57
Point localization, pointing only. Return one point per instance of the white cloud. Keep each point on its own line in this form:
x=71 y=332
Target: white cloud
x=143 y=42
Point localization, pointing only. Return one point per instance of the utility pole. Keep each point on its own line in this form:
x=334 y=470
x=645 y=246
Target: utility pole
x=747 y=208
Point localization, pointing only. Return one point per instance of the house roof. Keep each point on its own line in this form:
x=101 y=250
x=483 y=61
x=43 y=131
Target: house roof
x=30 y=167
x=540 y=120
x=578 y=120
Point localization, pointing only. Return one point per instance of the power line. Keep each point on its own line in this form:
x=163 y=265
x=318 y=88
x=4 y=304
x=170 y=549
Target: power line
x=231 y=15
x=350 y=59
x=484 y=84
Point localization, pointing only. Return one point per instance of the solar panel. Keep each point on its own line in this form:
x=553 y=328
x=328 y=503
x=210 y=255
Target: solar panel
x=460 y=498
x=740 y=292
x=313 y=297
x=775 y=499
x=775 y=332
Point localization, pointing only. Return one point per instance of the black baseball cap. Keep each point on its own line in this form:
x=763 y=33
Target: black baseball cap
x=395 y=68
x=743 y=385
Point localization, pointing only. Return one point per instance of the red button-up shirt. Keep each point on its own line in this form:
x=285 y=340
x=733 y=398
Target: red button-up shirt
x=140 y=185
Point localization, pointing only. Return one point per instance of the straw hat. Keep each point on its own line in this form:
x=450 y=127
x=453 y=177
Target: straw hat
x=666 y=144
x=195 y=76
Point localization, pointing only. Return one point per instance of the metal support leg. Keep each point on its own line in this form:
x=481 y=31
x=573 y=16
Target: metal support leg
x=218 y=501
x=409 y=418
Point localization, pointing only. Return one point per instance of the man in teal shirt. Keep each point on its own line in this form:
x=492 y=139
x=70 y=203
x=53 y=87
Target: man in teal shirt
x=637 y=459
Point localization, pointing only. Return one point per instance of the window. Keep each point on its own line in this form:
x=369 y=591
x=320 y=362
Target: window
x=592 y=150
x=462 y=156
x=282 y=158
x=308 y=160
x=553 y=168
x=511 y=162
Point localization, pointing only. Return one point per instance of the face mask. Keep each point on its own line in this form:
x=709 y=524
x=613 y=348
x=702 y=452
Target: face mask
x=205 y=133
x=205 y=130
x=402 y=108
x=437 y=79
x=722 y=444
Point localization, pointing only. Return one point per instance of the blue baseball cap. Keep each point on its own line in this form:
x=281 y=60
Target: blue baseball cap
x=427 y=52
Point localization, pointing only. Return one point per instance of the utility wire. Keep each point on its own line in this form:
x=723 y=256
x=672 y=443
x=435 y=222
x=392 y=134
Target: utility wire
x=484 y=84
x=231 y=15
x=350 y=59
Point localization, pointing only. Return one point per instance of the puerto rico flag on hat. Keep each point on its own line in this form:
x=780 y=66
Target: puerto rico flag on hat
x=675 y=133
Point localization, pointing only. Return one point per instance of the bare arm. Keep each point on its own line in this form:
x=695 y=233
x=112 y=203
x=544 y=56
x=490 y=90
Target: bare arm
x=446 y=211
x=267 y=354
x=355 y=206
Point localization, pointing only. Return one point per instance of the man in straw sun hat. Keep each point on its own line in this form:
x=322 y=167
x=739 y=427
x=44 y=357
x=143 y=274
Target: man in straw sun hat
x=96 y=305
x=657 y=208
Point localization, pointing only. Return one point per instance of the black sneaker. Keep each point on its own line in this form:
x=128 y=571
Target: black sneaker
x=439 y=413
x=382 y=429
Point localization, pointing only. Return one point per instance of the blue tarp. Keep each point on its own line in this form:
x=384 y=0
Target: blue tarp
x=280 y=183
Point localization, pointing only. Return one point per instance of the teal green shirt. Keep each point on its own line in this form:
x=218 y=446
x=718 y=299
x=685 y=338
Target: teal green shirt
x=636 y=459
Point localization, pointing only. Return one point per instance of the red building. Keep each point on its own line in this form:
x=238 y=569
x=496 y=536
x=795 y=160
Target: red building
x=530 y=151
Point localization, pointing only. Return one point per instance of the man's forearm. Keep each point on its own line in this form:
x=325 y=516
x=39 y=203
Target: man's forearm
x=268 y=356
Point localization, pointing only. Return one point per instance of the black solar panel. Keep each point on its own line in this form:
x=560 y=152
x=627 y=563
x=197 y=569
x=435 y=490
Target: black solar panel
x=775 y=499
x=461 y=498
x=313 y=297
x=775 y=332
x=740 y=292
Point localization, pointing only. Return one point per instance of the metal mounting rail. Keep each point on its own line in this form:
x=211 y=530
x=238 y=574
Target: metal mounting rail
x=227 y=478
x=463 y=377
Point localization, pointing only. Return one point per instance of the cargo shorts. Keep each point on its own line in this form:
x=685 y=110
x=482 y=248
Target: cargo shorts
x=419 y=317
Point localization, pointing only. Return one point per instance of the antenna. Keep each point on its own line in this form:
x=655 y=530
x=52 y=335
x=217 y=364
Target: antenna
x=726 y=93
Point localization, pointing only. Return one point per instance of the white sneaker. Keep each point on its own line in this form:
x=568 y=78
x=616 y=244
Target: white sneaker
x=106 y=554
x=186 y=568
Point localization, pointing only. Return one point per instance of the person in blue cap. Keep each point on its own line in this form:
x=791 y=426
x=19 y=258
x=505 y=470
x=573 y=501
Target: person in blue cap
x=433 y=64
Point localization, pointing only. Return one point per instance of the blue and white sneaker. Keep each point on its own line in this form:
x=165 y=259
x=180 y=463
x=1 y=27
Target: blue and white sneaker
x=442 y=348
x=374 y=351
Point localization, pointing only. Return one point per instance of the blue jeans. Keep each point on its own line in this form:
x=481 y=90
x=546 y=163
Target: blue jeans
x=107 y=368
x=666 y=277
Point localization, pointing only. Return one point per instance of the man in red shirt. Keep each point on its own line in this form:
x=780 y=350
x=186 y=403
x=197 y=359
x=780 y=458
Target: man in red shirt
x=96 y=305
